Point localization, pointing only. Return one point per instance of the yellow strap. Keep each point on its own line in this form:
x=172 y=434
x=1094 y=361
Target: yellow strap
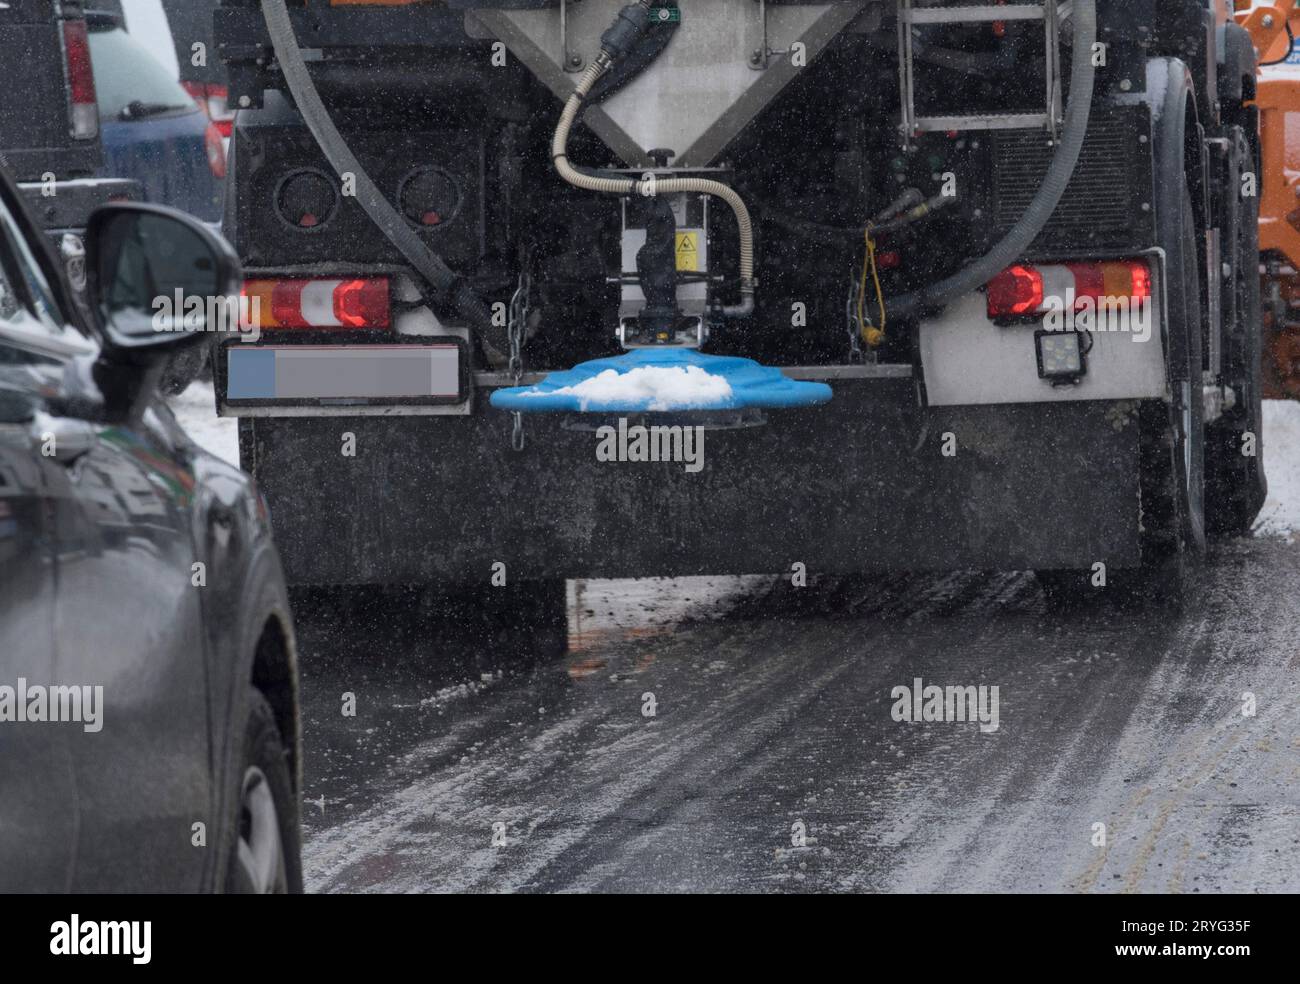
x=871 y=334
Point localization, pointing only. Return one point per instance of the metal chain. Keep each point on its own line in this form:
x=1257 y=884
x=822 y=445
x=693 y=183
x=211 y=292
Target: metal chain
x=515 y=328
x=518 y=321
x=855 y=347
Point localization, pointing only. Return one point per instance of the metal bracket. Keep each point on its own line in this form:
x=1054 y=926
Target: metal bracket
x=571 y=60
x=684 y=339
x=758 y=54
x=761 y=51
x=1055 y=108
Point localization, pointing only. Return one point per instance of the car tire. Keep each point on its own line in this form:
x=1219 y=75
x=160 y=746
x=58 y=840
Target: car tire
x=265 y=852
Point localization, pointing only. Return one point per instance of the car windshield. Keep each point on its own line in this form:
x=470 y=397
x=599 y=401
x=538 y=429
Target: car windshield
x=130 y=82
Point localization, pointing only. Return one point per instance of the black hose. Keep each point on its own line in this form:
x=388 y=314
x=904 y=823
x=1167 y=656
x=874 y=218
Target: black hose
x=446 y=282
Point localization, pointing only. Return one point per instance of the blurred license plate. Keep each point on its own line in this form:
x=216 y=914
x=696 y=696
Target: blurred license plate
x=343 y=372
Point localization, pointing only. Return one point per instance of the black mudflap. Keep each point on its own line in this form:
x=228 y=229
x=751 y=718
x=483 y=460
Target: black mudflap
x=867 y=483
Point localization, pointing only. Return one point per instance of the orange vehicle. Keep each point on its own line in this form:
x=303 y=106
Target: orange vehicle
x=1273 y=28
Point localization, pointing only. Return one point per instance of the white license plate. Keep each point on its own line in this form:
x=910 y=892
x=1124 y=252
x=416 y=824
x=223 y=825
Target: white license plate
x=343 y=372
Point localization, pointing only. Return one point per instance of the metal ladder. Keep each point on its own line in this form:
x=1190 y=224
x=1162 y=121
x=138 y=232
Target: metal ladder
x=909 y=16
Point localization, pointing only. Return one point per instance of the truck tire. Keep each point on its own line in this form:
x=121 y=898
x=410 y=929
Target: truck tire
x=524 y=620
x=521 y=621
x=1171 y=455
x=1173 y=440
x=1236 y=486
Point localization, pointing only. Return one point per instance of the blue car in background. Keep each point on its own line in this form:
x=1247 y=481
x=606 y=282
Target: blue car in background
x=153 y=131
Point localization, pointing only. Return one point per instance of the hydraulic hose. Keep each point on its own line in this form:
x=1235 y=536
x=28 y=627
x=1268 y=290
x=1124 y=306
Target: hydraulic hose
x=911 y=207
x=1078 y=111
x=664 y=186
x=445 y=281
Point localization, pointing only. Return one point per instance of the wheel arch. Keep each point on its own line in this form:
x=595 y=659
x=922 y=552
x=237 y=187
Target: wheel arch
x=265 y=659
x=274 y=673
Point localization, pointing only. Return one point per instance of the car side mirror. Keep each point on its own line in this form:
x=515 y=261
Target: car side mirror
x=158 y=278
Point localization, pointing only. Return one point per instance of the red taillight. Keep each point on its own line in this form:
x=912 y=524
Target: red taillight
x=360 y=303
x=81 y=80
x=1015 y=291
x=214 y=101
x=219 y=110
x=1022 y=291
x=1140 y=280
x=1089 y=280
x=216 y=151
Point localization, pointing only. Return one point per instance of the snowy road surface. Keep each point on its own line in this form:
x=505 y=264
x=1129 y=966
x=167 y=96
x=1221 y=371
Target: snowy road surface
x=1131 y=752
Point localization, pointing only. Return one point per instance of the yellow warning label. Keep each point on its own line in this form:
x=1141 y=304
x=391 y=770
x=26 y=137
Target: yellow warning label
x=688 y=251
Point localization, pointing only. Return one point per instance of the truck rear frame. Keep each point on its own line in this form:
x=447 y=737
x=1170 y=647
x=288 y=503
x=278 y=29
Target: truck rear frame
x=941 y=448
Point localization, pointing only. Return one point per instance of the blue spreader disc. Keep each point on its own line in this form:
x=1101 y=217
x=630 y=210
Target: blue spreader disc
x=662 y=380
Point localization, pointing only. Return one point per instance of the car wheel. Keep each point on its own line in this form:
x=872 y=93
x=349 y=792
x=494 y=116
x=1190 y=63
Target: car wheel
x=265 y=851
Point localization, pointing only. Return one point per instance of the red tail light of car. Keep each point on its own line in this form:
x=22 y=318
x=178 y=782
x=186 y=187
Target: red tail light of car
x=216 y=150
x=214 y=100
x=83 y=104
